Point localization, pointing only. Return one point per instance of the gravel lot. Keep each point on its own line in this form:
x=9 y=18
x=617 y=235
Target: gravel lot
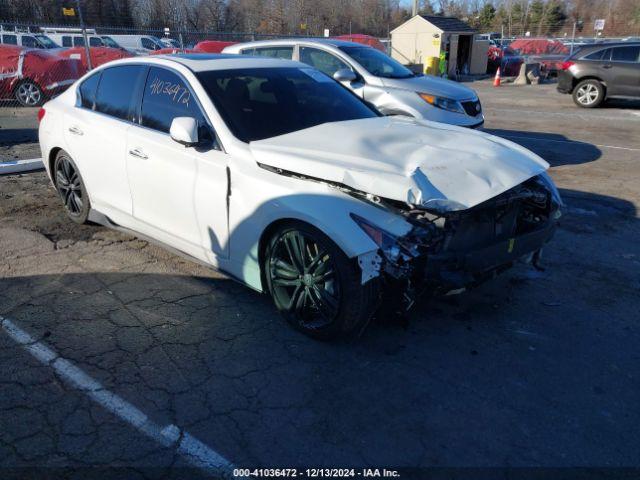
x=532 y=369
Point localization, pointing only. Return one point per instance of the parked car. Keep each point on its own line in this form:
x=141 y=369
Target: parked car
x=505 y=58
x=138 y=44
x=169 y=42
x=378 y=78
x=363 y=39
x=549 y=53
x=212 y=46
x=601 y=71
x=99 y=56
x=30 y=76
x=27 y=40
x=168 y=51
x=69 y=40
x=274 y=173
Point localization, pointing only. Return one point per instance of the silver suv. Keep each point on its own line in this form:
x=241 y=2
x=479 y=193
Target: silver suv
x=378 y=79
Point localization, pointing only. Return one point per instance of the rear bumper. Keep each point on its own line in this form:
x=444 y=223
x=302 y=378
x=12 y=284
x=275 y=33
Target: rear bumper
x=565 y=82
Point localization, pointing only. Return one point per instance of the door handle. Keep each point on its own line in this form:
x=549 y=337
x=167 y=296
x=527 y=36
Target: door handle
x=136 y=152
x=607 y=66
x=75 y=130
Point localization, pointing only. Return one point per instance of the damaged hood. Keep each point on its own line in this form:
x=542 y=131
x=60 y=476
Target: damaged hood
x=428 y=164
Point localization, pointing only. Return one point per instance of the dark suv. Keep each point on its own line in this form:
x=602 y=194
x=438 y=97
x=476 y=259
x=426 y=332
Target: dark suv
x=601 y=71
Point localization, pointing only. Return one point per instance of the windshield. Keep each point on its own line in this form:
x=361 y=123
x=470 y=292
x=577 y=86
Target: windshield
x=47 y=42
x=109 y=42
x=157 y=41
x=377 y=63
x=261 y=103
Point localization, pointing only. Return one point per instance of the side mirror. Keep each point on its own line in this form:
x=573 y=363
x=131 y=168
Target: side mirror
x=184 y=130
x=344 y=75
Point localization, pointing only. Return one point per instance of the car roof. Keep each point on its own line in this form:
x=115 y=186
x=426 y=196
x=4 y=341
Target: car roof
x=201 y=62
x=595 y=46
x=334 y=42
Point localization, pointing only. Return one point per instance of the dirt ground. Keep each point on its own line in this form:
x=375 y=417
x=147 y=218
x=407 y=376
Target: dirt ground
x=534 y=369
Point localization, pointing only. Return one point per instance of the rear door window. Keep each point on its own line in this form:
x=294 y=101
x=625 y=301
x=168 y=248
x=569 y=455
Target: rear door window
x=10 y=39
x=323 y=61
x=117 y=89
x=88 y=91
x=166 y=96
x=604 y=54
x=66 y=41
x=78 y=41
x=625 y=54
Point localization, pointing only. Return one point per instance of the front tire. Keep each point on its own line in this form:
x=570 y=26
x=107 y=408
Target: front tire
x=70 y=187
x=588 y=93
x=314 y=285
x=29 y=94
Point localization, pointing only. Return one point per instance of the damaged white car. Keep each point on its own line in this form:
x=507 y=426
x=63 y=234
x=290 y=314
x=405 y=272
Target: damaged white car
x=277 y=175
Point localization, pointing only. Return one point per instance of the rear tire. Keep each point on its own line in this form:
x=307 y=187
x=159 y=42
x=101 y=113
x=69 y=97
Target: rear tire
x=588 y=93
x=314 y=285
x=70 y=187
x=29 y=94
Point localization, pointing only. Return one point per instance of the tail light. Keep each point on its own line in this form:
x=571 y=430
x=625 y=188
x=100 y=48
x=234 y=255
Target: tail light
x=567 y=64
x=41 y=113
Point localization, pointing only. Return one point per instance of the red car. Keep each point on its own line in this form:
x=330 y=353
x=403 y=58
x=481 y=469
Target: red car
x=169 y=50
x=211 y=46
x=31 y=76
x=364 y=39
x=99 y=55
x=547 y=52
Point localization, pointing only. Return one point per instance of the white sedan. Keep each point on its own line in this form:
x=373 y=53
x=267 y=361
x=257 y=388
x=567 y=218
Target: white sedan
x=279 y=176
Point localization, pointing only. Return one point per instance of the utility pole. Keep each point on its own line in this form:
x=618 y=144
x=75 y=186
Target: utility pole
x=573 y=37
x=414 y=10
x=84 y=35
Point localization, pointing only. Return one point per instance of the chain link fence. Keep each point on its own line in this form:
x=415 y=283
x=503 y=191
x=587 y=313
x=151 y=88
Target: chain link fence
x=38 y=62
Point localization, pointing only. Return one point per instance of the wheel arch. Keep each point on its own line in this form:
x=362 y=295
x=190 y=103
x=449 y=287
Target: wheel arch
x=576 y=81
x=53 y=153
x=357 y=244
x=264 y=240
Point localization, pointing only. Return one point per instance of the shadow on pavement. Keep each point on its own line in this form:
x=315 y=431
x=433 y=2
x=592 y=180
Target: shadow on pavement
x=530 y=369
x=554 y=148
x=14 y=136
x=621 y=103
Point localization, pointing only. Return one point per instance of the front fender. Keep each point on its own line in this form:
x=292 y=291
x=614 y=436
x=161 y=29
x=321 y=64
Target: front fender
x=316 y=203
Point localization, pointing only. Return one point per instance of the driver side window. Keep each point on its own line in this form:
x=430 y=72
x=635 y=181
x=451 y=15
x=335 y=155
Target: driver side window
x=323 y=61
x=166 y=96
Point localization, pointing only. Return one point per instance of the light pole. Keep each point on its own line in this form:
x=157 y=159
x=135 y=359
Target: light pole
x=573 y=34
x=84 y=35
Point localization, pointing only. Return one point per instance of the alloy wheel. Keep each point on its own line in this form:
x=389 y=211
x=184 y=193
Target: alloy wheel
x=29 y=94
x=304 y=280
x=587 y=94
x=69 y=186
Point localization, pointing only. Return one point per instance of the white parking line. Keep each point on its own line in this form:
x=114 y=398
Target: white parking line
x=20 y=166
x=190 y=448
x=575 y=142
x=632 y=116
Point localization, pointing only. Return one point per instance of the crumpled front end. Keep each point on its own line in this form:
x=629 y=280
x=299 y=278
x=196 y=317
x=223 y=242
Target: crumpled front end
x=449 y=251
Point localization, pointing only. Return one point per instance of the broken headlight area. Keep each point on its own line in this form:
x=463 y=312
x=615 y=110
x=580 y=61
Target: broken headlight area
x=450 y=251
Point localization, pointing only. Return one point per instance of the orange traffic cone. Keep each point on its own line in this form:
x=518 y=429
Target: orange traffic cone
x=496 y=79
